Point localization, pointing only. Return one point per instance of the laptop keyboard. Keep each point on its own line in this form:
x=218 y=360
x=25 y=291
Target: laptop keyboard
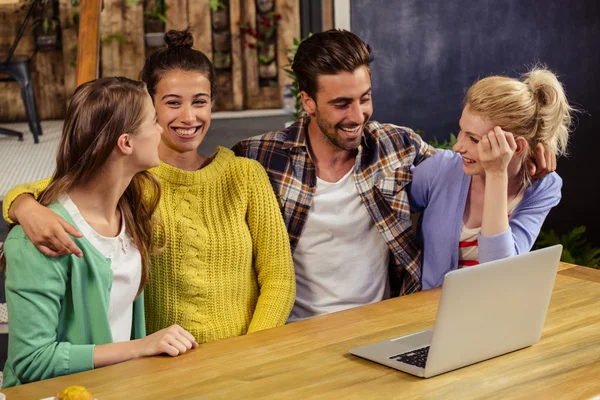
x=417 y=357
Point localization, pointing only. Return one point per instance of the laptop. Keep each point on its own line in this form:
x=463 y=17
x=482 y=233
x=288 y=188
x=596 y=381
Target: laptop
x=485 y=311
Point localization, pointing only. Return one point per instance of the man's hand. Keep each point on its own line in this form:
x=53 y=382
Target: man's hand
x=542 y=163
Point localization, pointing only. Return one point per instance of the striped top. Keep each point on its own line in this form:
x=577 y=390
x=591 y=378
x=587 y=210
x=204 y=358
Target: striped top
x=468 y=246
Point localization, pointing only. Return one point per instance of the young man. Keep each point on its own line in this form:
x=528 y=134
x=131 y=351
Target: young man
x=340 y=180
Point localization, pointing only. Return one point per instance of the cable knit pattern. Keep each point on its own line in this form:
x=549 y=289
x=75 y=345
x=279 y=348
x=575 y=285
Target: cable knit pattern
x=227 y=267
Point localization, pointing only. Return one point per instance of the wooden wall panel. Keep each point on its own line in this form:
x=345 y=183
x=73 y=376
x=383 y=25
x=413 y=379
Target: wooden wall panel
x=56 y=73
x=69 y=47
x=11 y=17
x=327 y=15
x=199 y=19
x=287 y=30
x=237 y=62
x=48 y=84
x=124 y=56
x=177 y=14
x=47 y=70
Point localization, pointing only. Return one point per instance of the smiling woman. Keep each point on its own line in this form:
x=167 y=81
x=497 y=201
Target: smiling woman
x=481 y=202
x=226 y=268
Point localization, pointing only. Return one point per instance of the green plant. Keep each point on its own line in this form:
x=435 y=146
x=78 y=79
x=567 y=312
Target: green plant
x=295 y=89
x=446 y=144
x=216 y=5
x=115 y=36
x=45 y=18
x=576 y=248
x=159 y=11
x=266 y=27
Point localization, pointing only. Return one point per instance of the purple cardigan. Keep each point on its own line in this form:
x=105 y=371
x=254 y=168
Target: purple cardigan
x=439 y=190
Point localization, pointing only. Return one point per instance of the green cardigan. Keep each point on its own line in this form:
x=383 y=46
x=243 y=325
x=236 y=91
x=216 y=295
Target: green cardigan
x=58 y=308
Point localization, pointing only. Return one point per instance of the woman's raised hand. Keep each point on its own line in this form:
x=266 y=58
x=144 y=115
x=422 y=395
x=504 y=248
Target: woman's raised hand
x=496 y=149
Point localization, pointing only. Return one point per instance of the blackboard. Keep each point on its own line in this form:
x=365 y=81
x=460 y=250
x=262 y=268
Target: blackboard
x=428 y=52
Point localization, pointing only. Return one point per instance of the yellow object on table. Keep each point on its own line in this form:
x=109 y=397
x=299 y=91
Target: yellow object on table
x=74 y=393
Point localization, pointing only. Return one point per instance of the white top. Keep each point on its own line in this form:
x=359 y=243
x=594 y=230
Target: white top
x=126 y=265
x=341 y=259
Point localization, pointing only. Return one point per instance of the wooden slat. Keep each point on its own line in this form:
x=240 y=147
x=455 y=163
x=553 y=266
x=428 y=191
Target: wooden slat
x=126 y=19
x=237 y=71
x=199 y=18
x=252 y=91
x=88 y=43
x=177 y=14
x=327 y=14
x=48 y=84
x=69 y=47
x=287 y=30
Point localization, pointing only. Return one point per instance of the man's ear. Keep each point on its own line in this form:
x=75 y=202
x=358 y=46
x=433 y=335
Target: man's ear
x=309 y=105
x=522 y=145
x=124 y=144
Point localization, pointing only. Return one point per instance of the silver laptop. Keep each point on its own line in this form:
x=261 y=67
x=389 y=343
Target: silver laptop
x=484 y=311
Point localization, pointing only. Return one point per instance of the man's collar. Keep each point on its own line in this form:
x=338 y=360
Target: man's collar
x=296 y=133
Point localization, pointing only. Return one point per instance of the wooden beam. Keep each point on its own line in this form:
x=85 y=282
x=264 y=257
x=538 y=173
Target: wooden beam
x=88 y=42
x=327 y=15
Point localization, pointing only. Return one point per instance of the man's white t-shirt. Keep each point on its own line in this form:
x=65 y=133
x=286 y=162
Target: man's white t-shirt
x=341 y=259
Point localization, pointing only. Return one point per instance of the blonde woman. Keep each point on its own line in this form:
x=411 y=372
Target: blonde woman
x=478 y=202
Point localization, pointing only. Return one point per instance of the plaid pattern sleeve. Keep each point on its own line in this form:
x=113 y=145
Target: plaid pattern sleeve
x=382 y=172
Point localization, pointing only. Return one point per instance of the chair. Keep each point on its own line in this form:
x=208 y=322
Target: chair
x=18 y=68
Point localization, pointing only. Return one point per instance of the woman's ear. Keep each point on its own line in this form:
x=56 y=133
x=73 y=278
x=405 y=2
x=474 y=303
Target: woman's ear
x=309 y=105
x=522 y=145
x=124 y=144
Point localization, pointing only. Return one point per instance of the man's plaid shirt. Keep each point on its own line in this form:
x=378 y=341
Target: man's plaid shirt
x=381 y=173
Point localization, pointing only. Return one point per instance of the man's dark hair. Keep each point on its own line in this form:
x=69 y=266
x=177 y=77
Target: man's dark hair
x=328 y=53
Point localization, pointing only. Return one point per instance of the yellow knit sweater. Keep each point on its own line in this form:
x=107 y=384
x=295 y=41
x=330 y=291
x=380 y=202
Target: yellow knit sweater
x=227 y=268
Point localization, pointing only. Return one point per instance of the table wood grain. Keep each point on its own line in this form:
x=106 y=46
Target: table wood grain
x=310 y=359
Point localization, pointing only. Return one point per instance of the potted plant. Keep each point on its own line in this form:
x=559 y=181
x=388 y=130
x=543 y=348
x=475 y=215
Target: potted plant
x=155 y=19
x=46 y=26
x=219 y=14
x=222 y=60
x=294 y=89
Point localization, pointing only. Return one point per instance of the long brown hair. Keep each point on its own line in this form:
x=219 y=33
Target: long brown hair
x=101 y=111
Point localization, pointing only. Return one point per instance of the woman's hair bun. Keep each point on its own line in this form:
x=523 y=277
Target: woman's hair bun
x=182 y=38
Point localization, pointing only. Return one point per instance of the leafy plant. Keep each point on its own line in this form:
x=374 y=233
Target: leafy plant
x=295 y=89
x=216 y=5
x=159 y=11
x=576 y=248
x=115 y=36
x=267 y=25
x=45 y=19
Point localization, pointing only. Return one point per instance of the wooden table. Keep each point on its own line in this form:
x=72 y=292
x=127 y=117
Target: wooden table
x=310 y=359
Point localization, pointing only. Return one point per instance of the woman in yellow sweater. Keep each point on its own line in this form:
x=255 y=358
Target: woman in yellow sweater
x=227 y=268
